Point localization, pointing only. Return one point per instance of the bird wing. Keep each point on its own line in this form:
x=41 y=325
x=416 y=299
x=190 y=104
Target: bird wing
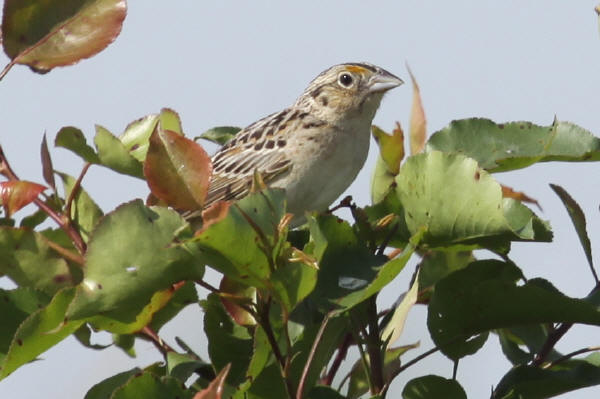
x=259 y=147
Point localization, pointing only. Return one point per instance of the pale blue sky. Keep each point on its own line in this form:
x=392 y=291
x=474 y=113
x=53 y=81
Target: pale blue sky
x=233 y=62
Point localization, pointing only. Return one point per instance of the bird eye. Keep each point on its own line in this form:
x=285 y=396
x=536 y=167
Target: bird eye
x=345 y=79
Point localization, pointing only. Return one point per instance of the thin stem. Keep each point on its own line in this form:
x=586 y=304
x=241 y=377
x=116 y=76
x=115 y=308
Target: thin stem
x=552 y=339
x=7 y=68
x=337 y=362
x=62 y=221
x=455 y=369
x=161 y=345
x=75 y=189
x=311 y=356
x=263 y=320
x=572 y=354
x=415 y=361
x=374 y=347
x=207 y=286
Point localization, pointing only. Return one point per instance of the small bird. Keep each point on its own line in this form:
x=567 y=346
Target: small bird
x=313 y=149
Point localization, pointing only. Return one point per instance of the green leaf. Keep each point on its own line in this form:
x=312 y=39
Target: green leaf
x=105 y=389
x=456 y=201
x=381 y=182
x=182 y=366
x=39 y=332
x=130 y=257
x=227 y=341
x=538 y=383
x=578 y=218
x=149 y=385
x=136 y=136
x=484 y=296
x=324 y=392
x=55 y=33
x=177 y=170
x=114 y=155
x=219 y=135
x=73 y=140
x=28 y=260
x=84 y=211
x=515 y=145
x=15 y=306
x=531 y=337
x=349 y=272
x=437 y=264
x=293 y=282
x=231 y=243
x=433 y=387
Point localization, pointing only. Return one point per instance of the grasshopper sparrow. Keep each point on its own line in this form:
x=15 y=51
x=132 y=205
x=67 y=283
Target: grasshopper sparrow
x=313 y=149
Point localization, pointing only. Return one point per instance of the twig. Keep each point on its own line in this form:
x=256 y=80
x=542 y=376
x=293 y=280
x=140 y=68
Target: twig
x=414 y=361
x=337 y=362
x=75 y=189
x=209 y=287
x=7 y=68
x=263 y=320
x=374 y=347
x=552 y=339
x=387 y=240
x=572 y=354
x=63 y=222
x=311 y=356
x=161 y=345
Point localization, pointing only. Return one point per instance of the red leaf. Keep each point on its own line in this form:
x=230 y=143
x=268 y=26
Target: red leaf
x=215 y=389
x=16 y=194
x=177 y=170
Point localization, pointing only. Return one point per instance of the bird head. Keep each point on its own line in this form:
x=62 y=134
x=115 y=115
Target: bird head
x=348 y=91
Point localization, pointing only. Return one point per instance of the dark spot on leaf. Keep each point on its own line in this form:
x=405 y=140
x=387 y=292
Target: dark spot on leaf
x=477 y=175
x=99 y=286
x=20 y=342
x=134 y=147
x=60 y=278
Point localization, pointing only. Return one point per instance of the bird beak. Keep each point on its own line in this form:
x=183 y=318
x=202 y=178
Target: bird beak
x=383 y=81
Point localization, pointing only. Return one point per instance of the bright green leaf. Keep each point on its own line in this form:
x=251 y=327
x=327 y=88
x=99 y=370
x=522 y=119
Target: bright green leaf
x=84 y=210
x=131 y=256
x=219 y=135
x=104 y=389
x=73 y=140
x=515 y=145
x=114 y=155
x=137 y=135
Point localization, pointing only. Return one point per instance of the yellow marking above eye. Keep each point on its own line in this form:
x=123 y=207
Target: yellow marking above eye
x=356 y=69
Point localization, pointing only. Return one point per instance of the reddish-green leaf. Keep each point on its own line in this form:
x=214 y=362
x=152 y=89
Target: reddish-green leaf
x=47 y=34
x=418 y=122
x=47 y=168
x=16 y=194
x=177 y=170
x=215 y=388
